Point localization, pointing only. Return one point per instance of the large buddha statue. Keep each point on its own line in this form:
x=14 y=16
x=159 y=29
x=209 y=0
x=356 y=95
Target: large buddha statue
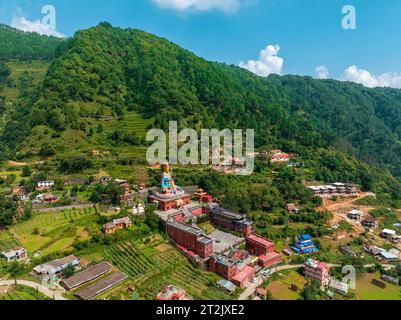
x=167 y=184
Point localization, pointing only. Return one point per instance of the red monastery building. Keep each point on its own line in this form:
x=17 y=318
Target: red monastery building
x=242 y=278
x=191 y=238
x=264 y=249
x=229 y=219
x=224 y=266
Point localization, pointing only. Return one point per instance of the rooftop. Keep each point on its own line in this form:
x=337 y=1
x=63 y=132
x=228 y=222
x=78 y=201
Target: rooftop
x=315 y=264
x=245 y=273
x=228 y=285
x=12 y=252
x=228 y=213
x=226 y=261
x=389 y=231
x=186 y=228
x=87 y=275
x=97 y=288
x=260 y=240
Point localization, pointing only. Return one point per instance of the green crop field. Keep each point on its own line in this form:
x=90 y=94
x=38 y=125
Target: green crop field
x=7 y=241
x=151 y=269
x=22 y=293
x=53 y=231
x=366 y=290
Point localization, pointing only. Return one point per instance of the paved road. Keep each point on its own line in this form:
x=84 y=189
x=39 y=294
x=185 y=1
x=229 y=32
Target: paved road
x=42 y=289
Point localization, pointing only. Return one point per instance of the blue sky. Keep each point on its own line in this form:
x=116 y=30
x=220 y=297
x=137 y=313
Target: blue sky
x=303 y=34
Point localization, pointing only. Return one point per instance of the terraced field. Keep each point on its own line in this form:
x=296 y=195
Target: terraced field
x=150 y=270
x=46 y=222
x=52 y=231
x=7 y=241
x=22 y=293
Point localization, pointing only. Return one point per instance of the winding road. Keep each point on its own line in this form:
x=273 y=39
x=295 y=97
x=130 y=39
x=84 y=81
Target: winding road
x=56 y=295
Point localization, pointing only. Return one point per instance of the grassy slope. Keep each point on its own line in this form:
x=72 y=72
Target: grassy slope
x=49 y=232
x=365 y=290
x=22 y=293
x=35 y=70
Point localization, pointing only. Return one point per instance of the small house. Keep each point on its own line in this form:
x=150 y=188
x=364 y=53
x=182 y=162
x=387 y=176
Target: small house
x=391 y=235
x=49 y=198
x=338 y=286
x=369 y=224
x=44 y=185
x=138 y=209
x=56 y=266
x=292 y=208
x=16 y=254
x=116 y=225
x=355 y=215
x=227 y=286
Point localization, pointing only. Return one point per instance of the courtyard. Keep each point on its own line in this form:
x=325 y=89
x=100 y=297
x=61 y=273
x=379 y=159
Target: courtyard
x=222 y=241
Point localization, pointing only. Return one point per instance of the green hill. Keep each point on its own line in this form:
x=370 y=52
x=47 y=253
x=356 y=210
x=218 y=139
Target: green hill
x=107 y=85
x=23 y=46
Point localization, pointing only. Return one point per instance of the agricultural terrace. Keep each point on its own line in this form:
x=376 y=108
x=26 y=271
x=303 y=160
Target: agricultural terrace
x=280 y=285
x=366 y=290
x=20 y=293
x=7 y=241
x=155 y=264
x=52 y=232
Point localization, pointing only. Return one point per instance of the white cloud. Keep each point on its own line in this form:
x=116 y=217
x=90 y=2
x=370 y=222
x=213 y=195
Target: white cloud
x=268 y=63
x=364 y=77
x=21 y=23
x=201 y=5
x=322 y=72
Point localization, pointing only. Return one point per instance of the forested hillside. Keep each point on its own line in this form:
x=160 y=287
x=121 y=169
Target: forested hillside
x=343 y=131
x=24 y=46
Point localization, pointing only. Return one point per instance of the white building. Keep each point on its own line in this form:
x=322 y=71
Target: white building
x=16 y=254
x=138 y=209
x=391 y=235
x=56 y=266
x=355 y=215
x=45 y=184
x=338 y=286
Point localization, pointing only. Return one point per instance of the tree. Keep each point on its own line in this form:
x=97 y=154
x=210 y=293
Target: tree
x=75 y=164
x=152 y=219
x=68 y=271
x=26 y=171
x=311 y=292
x=15 y=269
x=47 y=150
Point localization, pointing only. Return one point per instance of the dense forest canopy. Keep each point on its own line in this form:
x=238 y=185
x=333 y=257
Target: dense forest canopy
x=344 y=131
x=24 y=46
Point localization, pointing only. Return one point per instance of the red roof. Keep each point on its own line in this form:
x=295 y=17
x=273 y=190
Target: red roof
x=261 y=292
x=179 y=217
x=281 y=156
x=269 y=256
x=244 y=274
x=260 y=240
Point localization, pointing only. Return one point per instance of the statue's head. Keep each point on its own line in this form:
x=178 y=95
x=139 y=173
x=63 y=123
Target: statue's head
x=167 y=167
